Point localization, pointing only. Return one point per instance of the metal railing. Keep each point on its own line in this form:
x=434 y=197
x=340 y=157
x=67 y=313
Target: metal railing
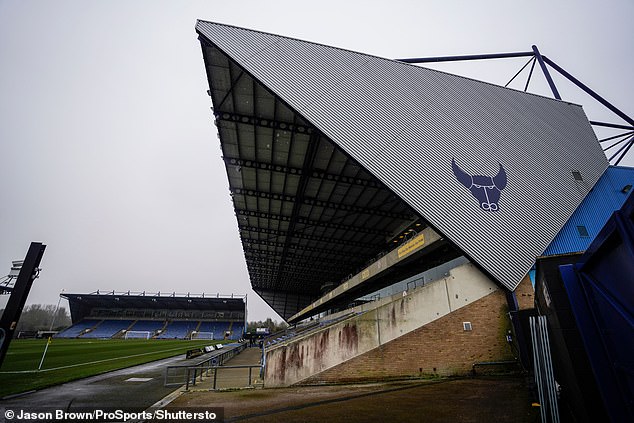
x=543 y=368
x=182 y=374
x=198 y=373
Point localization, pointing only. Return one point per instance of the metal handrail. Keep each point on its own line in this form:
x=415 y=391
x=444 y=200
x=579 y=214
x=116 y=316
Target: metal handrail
x=210 y=362
x=199 y=372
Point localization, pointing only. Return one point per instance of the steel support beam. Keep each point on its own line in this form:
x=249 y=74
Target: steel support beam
x=224 y=116
x=315 y=173
x=320 y=203
x=611 y=125
x=256 y=255
x=590 y=92
x=230 y=91
x=549 y=79
x=304 y=267
x=543 y=60
x=308 y=222
x=330 y=240
x=296 y=247
x=21 y=289
x=531 y=60
x=306 y=274
x=466 y=57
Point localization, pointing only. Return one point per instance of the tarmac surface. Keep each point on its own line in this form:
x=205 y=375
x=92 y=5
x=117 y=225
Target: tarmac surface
x=228 y=377
x=482 y=399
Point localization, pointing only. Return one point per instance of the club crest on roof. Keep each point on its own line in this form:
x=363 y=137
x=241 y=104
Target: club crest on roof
x=486 y=189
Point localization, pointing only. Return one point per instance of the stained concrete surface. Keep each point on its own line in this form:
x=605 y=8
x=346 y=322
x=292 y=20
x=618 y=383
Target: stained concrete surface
x=484 y=399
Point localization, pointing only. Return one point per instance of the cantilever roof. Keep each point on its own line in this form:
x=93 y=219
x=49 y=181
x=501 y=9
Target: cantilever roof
x=82 y=304
x=403 y=125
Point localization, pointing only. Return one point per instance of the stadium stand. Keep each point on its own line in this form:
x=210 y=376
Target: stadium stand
x=107 y=329
x=148 y=325
x=75 y=330
x=237 y=331
x=219 y=329
x=163 y=316
x=178 y=330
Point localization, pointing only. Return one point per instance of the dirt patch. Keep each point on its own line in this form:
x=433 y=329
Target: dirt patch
x=496 y=399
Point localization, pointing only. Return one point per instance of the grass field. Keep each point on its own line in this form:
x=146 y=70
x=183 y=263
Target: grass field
x=70 y=359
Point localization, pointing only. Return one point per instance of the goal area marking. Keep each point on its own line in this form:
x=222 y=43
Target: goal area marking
x=202 y=335
x=138 y=334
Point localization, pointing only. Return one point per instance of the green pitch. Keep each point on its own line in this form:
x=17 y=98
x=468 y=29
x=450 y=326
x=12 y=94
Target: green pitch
x=70 y=359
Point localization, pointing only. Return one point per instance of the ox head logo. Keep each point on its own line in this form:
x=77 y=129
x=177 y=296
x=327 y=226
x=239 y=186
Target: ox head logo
x=486 y=189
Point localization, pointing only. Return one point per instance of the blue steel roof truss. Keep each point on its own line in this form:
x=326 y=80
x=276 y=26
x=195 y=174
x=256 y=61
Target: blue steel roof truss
x=544 y=62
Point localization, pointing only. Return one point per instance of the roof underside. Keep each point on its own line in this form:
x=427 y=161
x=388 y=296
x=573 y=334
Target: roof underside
x=333 y=155
x=153 y=302
x=81 y=305
x=308 y=214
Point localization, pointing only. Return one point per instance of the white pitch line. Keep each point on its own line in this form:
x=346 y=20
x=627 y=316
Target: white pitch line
x=88 y=363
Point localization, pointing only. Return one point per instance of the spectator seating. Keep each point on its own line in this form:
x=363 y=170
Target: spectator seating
x=178 y=329
x=75 y=330
x=107 y=329
x=148 y=325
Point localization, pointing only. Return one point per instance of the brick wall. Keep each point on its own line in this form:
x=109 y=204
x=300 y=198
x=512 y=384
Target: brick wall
x=441 y=347
x=525 y=294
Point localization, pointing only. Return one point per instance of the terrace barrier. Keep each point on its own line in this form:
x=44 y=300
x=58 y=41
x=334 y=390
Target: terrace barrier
x=182 y=374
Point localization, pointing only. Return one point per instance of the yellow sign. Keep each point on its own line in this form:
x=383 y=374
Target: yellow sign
x=412 y=245
x=365 y=274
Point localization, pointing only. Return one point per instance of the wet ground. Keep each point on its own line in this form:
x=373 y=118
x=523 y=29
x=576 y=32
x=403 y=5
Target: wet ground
x=136 y=387
x=483 y=399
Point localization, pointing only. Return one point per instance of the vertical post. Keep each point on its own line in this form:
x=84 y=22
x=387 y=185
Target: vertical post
x=11 y=315
x=249 y=376
x=244 y=330
x=537 y=368
x=540 y=59
x=48 y=342
x=215 y=377
x=50 y=329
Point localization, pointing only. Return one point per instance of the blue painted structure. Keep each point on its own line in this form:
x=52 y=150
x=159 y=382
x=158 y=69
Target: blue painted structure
x=600 y=287
x=107 y=329
x=605 y=198
x=75 y=330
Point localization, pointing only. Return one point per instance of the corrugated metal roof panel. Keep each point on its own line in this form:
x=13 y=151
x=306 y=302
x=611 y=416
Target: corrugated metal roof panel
x=606 y=197
x=405 y=124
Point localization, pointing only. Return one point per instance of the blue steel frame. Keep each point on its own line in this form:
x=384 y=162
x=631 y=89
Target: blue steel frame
x=544 y=62
x=601 y=292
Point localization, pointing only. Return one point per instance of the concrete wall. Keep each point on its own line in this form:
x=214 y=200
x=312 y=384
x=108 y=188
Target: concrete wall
x=440 y=348
x=310 y=355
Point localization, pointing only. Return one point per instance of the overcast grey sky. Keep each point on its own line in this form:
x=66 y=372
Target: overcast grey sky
x=108 y=150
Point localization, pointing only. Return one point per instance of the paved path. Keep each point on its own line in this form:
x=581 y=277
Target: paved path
x=113 y=389
x=499 y=400
x=235 y=378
